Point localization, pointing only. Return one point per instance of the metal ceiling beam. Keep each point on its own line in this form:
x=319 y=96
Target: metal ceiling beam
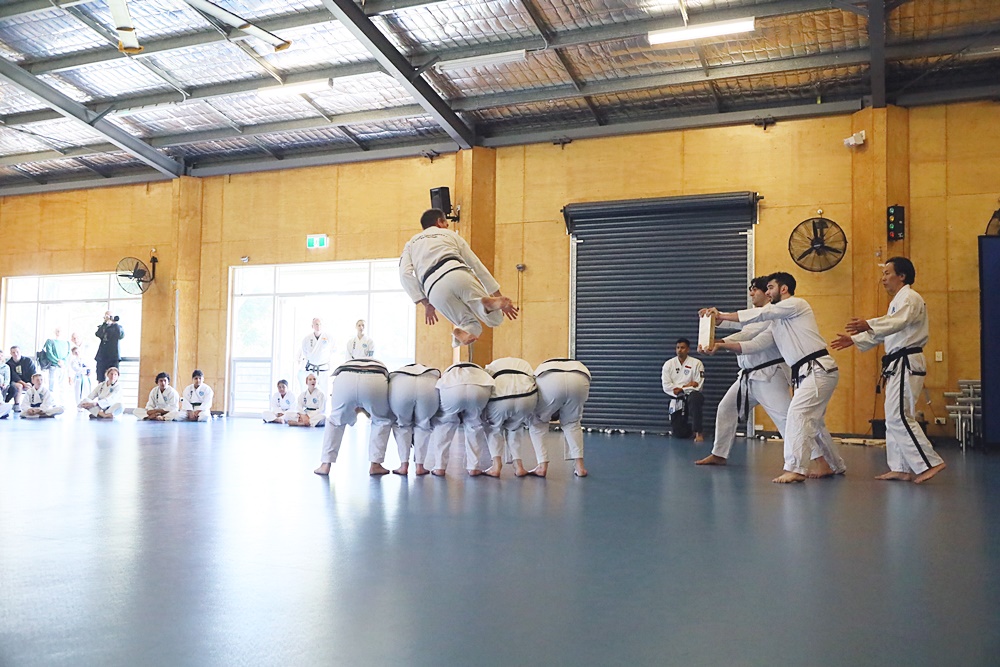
x=849 y=7
x=946 y=96
x=678 y=123
x=80 y=114
x=79 y=184
x=320 y=159
x=876 y=43
x=393 y=62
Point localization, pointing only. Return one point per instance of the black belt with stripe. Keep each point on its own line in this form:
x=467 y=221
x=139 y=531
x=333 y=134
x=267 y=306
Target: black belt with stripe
x=440 y=263
x=357 y=369
x=890 y=364
x=796 y=378
x=314 y=368
x=504 y=398
x=743 y=390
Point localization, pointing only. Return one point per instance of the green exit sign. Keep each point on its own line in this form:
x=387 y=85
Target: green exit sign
x=314 y=241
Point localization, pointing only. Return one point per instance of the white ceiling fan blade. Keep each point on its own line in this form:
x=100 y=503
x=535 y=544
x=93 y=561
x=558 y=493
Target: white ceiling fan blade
x=234 y=21
x=127 y=41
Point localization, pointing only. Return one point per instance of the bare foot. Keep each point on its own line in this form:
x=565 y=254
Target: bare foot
x=580 y=471
x=819 y=469
x=494 y=471
x=403 y=469
x=519 y=469
x=475 y=472
x=323 y=469
x=891 y=475
x=377 y=469
x=421 y=470
x=930 y=472
x=463 y=336
x=698 y=437
x=539 y=471
x=711 y=460
x=438 y=472
x=492 y=303
x=789 y=478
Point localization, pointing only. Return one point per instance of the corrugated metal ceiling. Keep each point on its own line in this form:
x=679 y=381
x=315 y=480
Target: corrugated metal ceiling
x=588 y=63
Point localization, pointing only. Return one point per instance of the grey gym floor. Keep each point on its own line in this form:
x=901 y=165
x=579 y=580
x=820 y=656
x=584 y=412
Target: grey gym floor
x=215 y=544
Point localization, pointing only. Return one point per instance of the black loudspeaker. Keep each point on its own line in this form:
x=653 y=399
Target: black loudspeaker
x=441 y=199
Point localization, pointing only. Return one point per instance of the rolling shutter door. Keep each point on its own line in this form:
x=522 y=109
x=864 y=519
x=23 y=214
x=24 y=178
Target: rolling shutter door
x=642 y=269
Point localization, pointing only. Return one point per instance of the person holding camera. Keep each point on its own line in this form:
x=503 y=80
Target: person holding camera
x=110 y=332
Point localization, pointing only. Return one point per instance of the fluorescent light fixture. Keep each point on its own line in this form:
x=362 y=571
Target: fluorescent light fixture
x=701 y=30
x=288 y=89
x=480 y=61
x=241 y=24
x=127 y=41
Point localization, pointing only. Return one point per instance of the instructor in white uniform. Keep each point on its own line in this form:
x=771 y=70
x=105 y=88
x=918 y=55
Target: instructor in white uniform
x=814 y=376
x=904 y=330
x=683 y=378
x=358 y=385
x=314 y=356
x=764 y=379
x=439 y=271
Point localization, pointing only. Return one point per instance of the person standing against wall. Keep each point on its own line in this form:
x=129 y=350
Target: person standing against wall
x=360 y=346
x=57 y=349
x=109 y=333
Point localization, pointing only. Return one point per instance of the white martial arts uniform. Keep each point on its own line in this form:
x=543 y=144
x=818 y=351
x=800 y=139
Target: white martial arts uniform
x=563 y=388
x=312 y=405
x=764 y=379
x=314 y=355
x=511 y=406
x=108 y=398
x=904 y=329
x=81 y=377
x=793 y=326
x=360 y=348
x=167 y=399
x=280 y=405
x=194 y=399
x=40 y=399
x=359 y=384
x=464 y=390
x=413 y=399
x=438 y=265
x=674 y=375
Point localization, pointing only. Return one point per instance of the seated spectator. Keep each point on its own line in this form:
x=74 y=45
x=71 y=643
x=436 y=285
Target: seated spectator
x=282 y=403
x=196 y=401
x=21 y=370
x=39 y=401
x=163 y=399
x=310 y=409
x=104 y=401
x=683 y=378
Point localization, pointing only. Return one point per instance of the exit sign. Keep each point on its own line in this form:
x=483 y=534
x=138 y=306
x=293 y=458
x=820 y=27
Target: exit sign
x=317 y=241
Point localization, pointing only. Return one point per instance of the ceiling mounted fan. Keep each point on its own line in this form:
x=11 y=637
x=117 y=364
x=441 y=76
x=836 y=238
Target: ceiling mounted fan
x=128 y=42
x=817 y=244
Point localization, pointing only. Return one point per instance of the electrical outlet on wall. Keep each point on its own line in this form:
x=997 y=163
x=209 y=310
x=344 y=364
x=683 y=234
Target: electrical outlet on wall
x=939 y=356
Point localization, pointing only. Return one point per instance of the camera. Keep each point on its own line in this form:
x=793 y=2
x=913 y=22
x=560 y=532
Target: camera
x=114 y=319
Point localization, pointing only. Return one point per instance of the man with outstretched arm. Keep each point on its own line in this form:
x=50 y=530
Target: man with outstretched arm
x=439 y=271
x=814 y=376
x=764 y=380
x=904 y=330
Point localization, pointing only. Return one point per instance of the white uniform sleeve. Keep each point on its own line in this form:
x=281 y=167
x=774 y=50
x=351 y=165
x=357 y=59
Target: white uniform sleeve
x=747 y=333
x=763 y=341
x=408 y=278
x=886 y=325
x=186 y=400
x=300 y=403
x=699 y=373
x=151 y=403
x=321 y=405
x=667 y=379
x=172 y=400
x=206 y=403
x=95 y=392
x=777 y=311
x=484 y=275
x=49 y=401
x=275 y=397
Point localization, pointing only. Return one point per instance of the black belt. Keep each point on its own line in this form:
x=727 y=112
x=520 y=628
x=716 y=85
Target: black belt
x=464 y=365
x=36 y=405
x=803 y=361
x=321 y=368
x=889 y=364
x=311 y=409
x=440 y=263
x=196 y=405
x=743 y=390
x=504 y=398
x=511 y=371
x=356 y=369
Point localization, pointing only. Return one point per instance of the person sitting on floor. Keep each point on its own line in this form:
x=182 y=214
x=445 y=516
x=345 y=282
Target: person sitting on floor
x=310 y=409
x=39 y=400
x=196 y=401
x=282 y=404
x=163 y=399
x=104 y=401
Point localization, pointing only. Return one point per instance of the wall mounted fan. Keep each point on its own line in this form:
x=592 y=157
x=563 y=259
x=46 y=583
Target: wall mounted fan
x=993 y=227
x=817 y=244
x=134 y=277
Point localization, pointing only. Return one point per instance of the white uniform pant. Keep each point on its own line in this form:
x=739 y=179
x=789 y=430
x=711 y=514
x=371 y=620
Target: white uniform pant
x=805 y=428
x=115 y=410
x=461 y=405
x=771 y=394
x=57 y=380
x=352 y=392
x=5 y=409
x=81 y=387
x=51 y=412
x=182 y=416
x=506 y=419
x=458 y=295
x=271 y=417
x=413 y=399
x=565 y=393
x=906 y=447
x=143 y=413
